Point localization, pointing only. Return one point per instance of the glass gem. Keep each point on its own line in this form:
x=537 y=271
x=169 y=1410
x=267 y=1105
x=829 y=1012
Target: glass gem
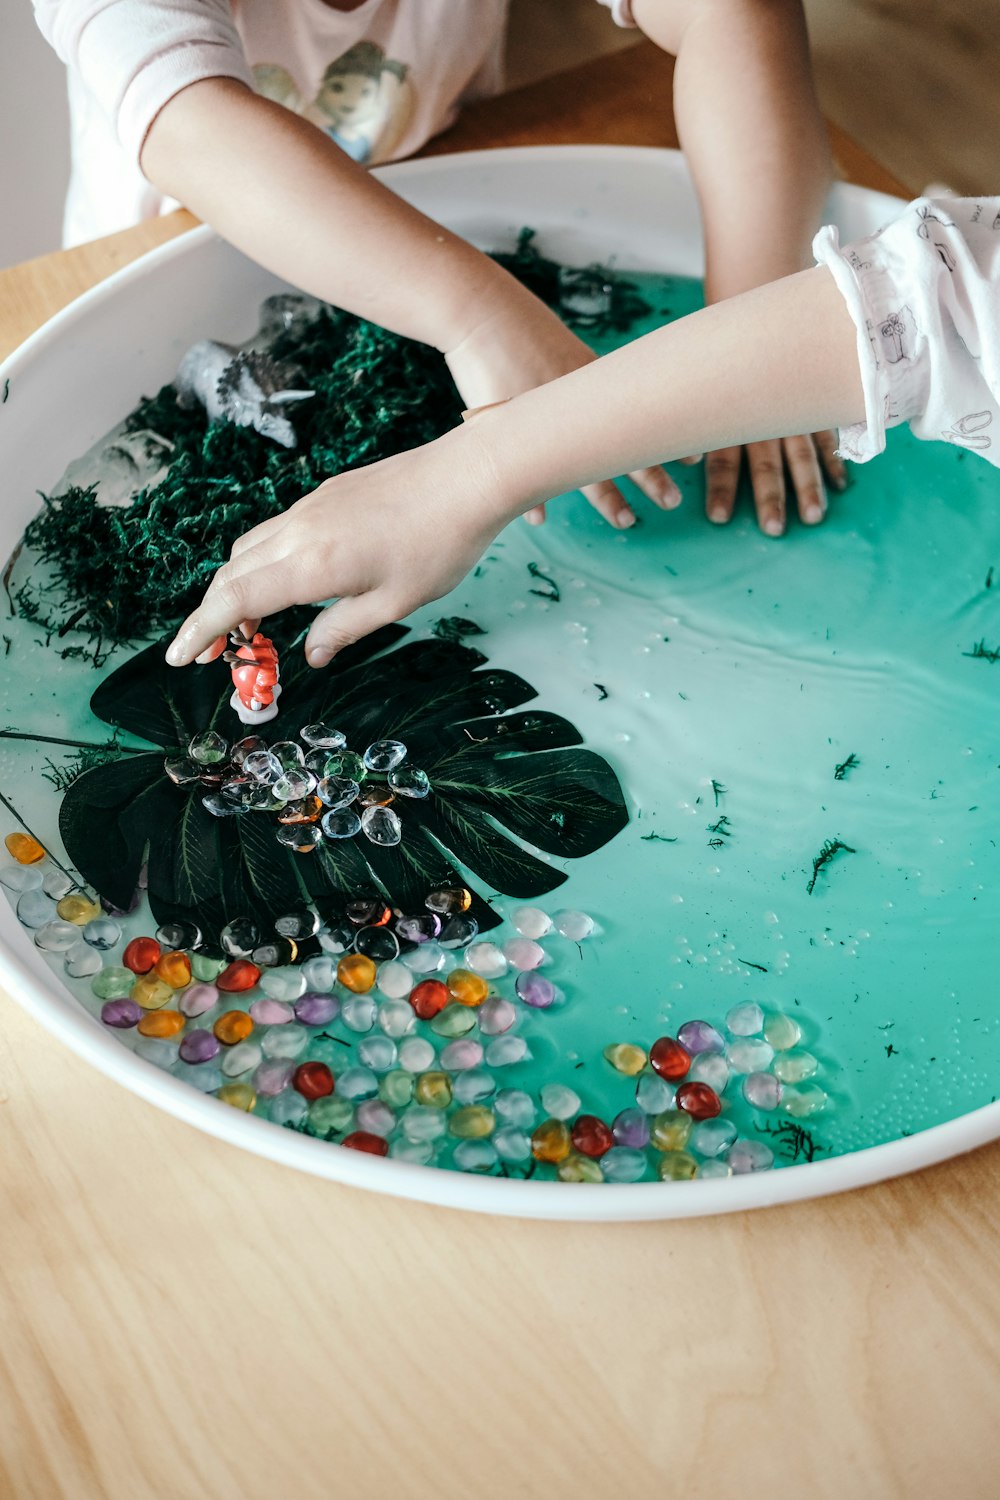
x=294 y=785
x=422 y=1122
x=416 y=1054
x=174 y=969
x=378 y=1053
x=384 y=756
x=467 y=988
x=102 y=933
x=396 y=1018
x=159 y=1051
x=79 y=908
x=783 y=1032
x=301 y=838
x=575 y=925
x=263 y=766
x=23 y=878
x=199 y=1046
x=313 y=1080
x=668 y=1058
x=710 y=1068
x=346 y=763
x=24 y=848
x=307 y=810
x=198 y=998
x=336 y=939
x=801 y=1103
x=182 y=770
x=714 y=1167
x=794 y=1067
x=590 y=1135
x=712 y=1137
x=237 y=1096
x=475 y=1156
x=205 y=1077
x=113 y=983
x=523 y=954
x=454 y=1020
x=377 y=943
x=516 y=1108
x=417 y=1153
x=550 y=1141
x=749 y=1055
x=624 y=1057
x=700 y=1036
x=121 y=1013
x=396 y=1089
x=538 y=992
x=505 y=1050
x=289 y=754
x=424 y=959
x=220 y=805
x=261 y=799
x=631 y=1128
x=251 y=744
x=363 y=1140
x=237 y=976
x=745 y=1020
x=496 y=1016
x=464 y=1052
x=358 y=1013
x=233 y=1026
x=374 y=1115
x=271 y=1012
x=356 y=972
x=285 y=984
x=473 y=1122
x=320 y=973
x=428 y=998
x=56 y=937
x=749 y=1156
x=242 y=1058
x=409 y=781
x=316 y=1010
x=240 y=937
x=162 y=1023
x=457 y=931
x=368 y=911
x=762 y=1090
x=486 y=959
x=474 y=1086
x=670 y=1130
x=277 y=954
x=208 y=749
x=511 y=1144
x=698 y=1100
x=323 y=737
x=271 y=1076
x=152 y=993
x=286 y=1042
x=677 y=1166
x=579 y=1169
x=622 y=1165
x=532 y=922
x=449 y=900
x=179 y=935
x=375 y=794
x=341 y=823
x=559 y=1102
x=381 y=825
x=288 y=1108
x=654 y=1094
x=337 y=791
x=433 y=1090
x=55 y=883
x=422 y=929
x=330 y=1115
x=82 y=961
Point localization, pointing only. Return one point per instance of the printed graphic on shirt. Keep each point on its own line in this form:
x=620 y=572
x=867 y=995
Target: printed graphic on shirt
x=927 y=218
x=896 y=335
x=364 y=102
x=970 y=431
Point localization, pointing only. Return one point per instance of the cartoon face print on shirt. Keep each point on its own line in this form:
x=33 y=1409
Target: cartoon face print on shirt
x=364 y=101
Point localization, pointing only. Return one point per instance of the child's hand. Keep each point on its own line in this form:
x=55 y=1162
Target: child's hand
x=521 y=345
x=380 y=541
x=806 y=459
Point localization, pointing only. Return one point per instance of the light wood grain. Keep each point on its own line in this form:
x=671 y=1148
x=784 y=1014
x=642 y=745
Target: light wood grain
x=181 y=1321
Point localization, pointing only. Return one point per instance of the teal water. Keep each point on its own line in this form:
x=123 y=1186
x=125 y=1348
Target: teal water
x=760 y=665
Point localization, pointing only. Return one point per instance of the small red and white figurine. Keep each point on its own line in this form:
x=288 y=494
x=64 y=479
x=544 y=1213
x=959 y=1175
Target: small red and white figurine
x=254 y=665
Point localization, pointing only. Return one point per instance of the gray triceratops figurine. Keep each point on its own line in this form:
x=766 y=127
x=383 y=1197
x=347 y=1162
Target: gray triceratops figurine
x=240 y=386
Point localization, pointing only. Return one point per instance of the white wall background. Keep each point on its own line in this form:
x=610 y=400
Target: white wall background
x=34 y=161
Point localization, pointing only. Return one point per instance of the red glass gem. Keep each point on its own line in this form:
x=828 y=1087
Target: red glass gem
x=429 y=997
x=363 y=1140
x=669 y=1058
x=591 y=1136
x=241 y=974
x=699 y=1100
x=141 y=954
x=313 y=1080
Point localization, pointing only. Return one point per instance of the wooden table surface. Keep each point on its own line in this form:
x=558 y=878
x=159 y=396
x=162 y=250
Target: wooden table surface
x=186 y=1322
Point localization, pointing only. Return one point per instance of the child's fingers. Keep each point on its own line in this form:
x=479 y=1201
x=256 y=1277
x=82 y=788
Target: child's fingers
x=692 y=458
x=836 y=470
x=767 y=476
x=722 y=473
x=657 y=485
x=608 y=500
x=806 y=477
x=234 y=595
x=535 y=516
x=347 y=621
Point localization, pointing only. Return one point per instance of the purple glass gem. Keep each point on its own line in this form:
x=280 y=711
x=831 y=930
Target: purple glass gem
x=631 y=1128
x=534 y=989
x=315 y=1010
x=700 y=1036
x=422 y=929
x=272 y=1076
x=199 y=1046
x=121 y=1013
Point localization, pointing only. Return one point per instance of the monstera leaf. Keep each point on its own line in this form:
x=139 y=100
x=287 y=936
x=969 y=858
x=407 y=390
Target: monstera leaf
x=500 y=780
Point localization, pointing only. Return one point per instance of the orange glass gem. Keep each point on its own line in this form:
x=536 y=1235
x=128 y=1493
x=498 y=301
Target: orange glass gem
x=25 y=849
x=467 y=988
x=306 y=811
x=161 y=1023
x=428 y=998
x=141 y=954
x=233 y=1026
x=241 y=974
x=669 y=1059
x=356 y=972
x=551 y=1141
x=363 y=1140
x=174 y=968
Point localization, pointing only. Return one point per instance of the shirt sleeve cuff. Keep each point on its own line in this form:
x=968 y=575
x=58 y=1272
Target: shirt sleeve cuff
x=621 y=11
x=862 y=440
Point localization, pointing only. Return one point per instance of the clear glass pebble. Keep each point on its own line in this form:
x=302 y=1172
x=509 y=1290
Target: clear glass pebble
x=505 y=1050
x=384 y=756
x=420 y=929
x=464 y=1052
x=242 y=1058
x=23 y=878
x=794 y=1067
x=294 y=784
x=458 y=930
x=575 y=925
x=532 y=922
x=323 y=737
x=240 y=937
x=496 y=1016
x=418 y=1153
x=710 y=1068
x=299 y=836
x=57 y=936
x=749 y=1156
x=297 y=925
x=559 y=1102
x=272 y=1076
x=35 y=909
x=251 y=744
x=208 y=749
x=409 y=781
x=57 y=884
x=320 y=973
x=745 y=1020
x=358 y=1013
x=714 y=1167
x=337 y=791
x=486 y=960
x=341 y=823
x=783 y=1032
x=801 y=1103
x=621 y=1164
x=654 y=1094
x=523 y=954
x=375 y=1116
x=288 y=1041
x=427 y=958
x=712 y=1137
x=512 y=1144
x=220 y=806
x=289 y=1108
x=395 y=980
x=396 y=1018
x=357 y=1083
x=421 y=1123
x=182 y=770
x=264 y=766
x=475 y=1156
x=416 y=1054
x=179 y=935
x=205 y=1076
x=762 y=1090
x=283 y=984
x=159 y=1051
x=749 y=1055
x=377 y=943
x=378 y=1053
x=381 y=825
x=102 y=933
x=289 y=754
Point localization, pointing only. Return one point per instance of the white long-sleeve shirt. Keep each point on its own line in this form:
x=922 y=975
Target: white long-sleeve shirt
x=380 y=79
x=924 y=293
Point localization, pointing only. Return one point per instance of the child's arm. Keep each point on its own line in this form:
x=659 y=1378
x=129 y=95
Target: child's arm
x=754 y=138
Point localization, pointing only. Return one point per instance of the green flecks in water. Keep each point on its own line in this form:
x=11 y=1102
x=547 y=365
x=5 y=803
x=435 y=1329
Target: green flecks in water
x=552 y=592
x=850 y=764
x=982 y=652
x=829 y=851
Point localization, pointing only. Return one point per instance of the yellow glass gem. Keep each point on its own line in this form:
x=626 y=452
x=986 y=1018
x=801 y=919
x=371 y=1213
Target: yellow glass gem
x=783 y=1032
x=25 y=849
x=151 y=993
x=473 y=1123
x=669 y=1131
x=238 y=1096
x=356 y=972
x=626 y=1058
x=794 y=1067
x=551 y=1141
x=233 y=1026
x=801 y=1103
x=78 y=908
x=434 y=1090
x=677 y=1166
x=580 y=1169
x=467 y=988
x=161 y=1023
x=174 y=968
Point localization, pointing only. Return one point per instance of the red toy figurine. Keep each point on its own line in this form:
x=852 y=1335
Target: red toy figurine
x=254 y=665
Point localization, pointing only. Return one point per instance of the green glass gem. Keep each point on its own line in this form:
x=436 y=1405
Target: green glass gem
x=205 y=968
x=396 y=1089
x=346 y=763
x=113 y=983
x=330 y=1115
x=454 y=1020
